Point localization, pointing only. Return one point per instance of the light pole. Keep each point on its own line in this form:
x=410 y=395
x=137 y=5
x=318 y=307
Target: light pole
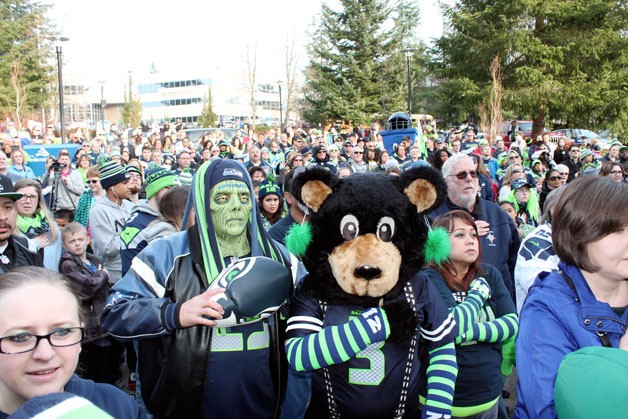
x=102 y=106
x=280 y=105
x=60 y=78
x=408 y=52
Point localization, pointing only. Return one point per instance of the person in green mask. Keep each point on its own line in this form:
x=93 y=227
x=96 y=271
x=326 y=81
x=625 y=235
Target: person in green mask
x=190 y=363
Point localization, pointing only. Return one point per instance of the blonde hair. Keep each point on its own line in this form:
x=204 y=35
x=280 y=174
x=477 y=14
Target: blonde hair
x=41 y=204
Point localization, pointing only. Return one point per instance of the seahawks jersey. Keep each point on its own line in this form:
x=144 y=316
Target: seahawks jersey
x=369 y=384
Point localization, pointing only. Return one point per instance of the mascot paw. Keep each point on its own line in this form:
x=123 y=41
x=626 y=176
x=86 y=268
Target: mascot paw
x=402 y=321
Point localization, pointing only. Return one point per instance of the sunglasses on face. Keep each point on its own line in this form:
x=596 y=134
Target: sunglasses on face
x=358 y=152
x=517 y=171
x=463 y=175
x=94 y=181
x=555 y=178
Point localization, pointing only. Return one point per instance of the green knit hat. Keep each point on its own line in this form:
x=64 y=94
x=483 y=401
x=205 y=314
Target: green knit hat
x=158 y=179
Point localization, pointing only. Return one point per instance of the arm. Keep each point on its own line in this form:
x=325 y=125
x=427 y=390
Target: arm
x=334 y=344
x=541 y=345
x=466 y=313
x=441 y=378
x=75 y=183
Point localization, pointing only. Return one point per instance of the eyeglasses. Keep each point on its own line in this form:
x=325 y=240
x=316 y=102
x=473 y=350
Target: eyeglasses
x=348 y=145
x=555 y=178
x=93 y=181
x=616 y=172
x=321 y=151
x=297 y=159
x=463 y=175
x=358 y=152
x=26 y=342
x=135 y=176
x=29 y=197
x=514 y=156
x=517 y=171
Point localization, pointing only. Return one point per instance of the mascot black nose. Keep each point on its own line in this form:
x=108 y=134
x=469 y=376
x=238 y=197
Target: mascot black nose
x=367 y=272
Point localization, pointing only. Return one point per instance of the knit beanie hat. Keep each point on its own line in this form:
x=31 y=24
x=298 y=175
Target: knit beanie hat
x=111 y=173
x=585 y=152
x=130 y=168
x=185 y=177
x=158 y=179
x=268 y=188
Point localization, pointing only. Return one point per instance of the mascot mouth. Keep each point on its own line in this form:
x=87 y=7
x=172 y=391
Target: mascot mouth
x=366 y=266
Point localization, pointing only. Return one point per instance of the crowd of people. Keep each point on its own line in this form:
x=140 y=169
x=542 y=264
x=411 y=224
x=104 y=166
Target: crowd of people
x=139 y=223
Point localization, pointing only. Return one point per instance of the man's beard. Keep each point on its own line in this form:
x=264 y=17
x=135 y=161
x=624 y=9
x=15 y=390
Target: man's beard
x=134 y=189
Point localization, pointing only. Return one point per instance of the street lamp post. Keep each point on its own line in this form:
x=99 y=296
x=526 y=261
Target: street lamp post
x=408 y=52
x=60 y=78
x=280 y=106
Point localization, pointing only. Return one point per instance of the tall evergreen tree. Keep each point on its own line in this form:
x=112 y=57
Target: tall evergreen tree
x=208 y=117
x=356 y=67
x=566 y=61
x=26 y=72
x=131 y=111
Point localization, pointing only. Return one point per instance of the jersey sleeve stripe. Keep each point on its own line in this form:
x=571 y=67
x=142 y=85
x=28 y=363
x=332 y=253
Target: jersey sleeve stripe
x=450 y=325
x=304 y=326
x=305 y=319
x=444 y=325
x=145 y=273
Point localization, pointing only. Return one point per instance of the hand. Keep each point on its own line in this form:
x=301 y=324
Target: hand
x=483 y=227
x=480 y=285
x=199 y=310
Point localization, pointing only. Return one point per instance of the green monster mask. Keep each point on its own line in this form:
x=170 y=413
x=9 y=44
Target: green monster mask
x=231 y=207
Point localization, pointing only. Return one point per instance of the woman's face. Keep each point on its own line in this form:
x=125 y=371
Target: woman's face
x=384 y=158
x=401 y=151
x=616 y=174
x=85 y=162
x=522 y=194
x=610 y=253
x=17 y=158
x=297 y=161
x=36 y=309
x=270 y=203
x=27 y=204
x=464 y=243
x=444 y=157
x=517 y=173
x=554 y=180
x=94 y=184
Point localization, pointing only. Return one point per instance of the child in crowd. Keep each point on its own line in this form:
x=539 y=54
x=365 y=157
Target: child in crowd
x=90 y=282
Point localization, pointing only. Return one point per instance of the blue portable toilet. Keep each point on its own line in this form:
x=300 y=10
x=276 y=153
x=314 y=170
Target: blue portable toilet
x=398 y=126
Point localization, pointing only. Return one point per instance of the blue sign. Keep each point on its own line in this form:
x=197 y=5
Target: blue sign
x=38 y=154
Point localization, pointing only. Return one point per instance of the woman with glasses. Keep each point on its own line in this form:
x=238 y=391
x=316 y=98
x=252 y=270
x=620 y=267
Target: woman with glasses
x=613 y=170
x=552 y=181
x=41 y=328
x=35 y=222
x=89 y=197
x=513 y=172
x=485 y=316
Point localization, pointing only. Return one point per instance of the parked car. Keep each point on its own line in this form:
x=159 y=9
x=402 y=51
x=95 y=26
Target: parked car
x=577 y=134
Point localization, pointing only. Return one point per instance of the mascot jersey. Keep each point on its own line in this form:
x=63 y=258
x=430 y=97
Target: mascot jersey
x=368 y=385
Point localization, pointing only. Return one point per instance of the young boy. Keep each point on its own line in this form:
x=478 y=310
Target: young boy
x=98 y=361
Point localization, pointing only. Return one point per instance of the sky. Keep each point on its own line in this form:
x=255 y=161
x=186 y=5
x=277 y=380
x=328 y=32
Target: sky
x=107 y=39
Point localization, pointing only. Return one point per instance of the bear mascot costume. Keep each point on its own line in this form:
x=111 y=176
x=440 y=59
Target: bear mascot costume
x=364 y=319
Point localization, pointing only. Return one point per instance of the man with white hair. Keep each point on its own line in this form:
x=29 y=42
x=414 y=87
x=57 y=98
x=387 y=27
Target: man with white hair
x=498 y=233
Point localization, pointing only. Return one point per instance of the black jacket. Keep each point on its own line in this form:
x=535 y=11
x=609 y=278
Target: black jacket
x=19 y=254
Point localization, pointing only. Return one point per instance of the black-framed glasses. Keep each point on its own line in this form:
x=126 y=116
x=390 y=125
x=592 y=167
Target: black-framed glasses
x=94 y=181
x=463 y=175
x=26 y=342
x=616 y=172
x=555 y=178
x=358 y=152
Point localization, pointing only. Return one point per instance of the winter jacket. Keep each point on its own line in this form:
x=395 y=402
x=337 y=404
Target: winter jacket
x=19 y=252
x=133 y=235
x=555 y=321
x=91 y=287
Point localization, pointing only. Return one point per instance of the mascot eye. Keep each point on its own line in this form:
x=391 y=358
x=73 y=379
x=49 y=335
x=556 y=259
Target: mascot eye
x=349 y=227
x=386 y=229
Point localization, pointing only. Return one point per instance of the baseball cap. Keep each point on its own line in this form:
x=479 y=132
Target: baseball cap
x=7 y=190
x=519 y=183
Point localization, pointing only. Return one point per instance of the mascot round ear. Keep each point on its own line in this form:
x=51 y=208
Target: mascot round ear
x=313 y=186
x=424 y=187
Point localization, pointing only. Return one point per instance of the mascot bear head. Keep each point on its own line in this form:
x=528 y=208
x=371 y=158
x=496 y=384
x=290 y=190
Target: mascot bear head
x=366 y=233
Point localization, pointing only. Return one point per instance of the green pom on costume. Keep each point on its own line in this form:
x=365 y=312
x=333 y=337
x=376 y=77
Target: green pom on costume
x=437 y=247
x=298 y=238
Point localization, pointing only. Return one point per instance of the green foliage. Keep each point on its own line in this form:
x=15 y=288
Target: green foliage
x=131 y=111
x=357 y=68
x=208 y=117
x=567 y=60
x=26 y=69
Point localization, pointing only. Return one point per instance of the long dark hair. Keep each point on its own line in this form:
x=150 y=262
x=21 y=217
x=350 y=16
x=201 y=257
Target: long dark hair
x=447 y=269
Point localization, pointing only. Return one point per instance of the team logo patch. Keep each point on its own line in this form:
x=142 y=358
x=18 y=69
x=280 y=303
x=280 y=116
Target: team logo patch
x=233 y=172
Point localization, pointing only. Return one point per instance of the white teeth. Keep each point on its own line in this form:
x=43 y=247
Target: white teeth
x=42 y=372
